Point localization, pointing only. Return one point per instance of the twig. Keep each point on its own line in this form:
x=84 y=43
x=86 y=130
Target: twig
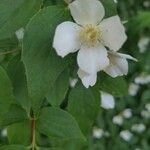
x=9 y=52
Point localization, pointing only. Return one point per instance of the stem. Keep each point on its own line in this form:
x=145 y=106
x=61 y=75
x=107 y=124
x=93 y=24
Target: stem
x=33 y=134
x=8 y=52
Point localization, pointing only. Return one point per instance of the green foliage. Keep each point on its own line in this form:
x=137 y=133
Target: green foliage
x=115 y=86
x=16 y=15
x=12 y=147
x=42 y=65
x=83 y=105
x=14 y=114
x=58 y=123
x=38 y=107
x=6 y=94
x=58 y=91
x=19 y=133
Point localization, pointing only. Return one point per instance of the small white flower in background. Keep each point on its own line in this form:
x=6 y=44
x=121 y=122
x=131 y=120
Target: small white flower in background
x=143 y=44
x=107 y=100
x=147 y=106
x=20 y=34
x=126 y=135
x=137 y=149
x=133 y=89
x=146 y=3
x=145 y=114
x=142 y=79
x=90 y=35
x=73 y=82
x=106 y=134
x=138 y=128
x=4 y=133
x=127 y=113
x=97 y=133
x=118 y=120
x=116 y=1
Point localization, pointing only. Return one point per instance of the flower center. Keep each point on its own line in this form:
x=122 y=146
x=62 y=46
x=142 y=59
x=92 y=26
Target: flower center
x=90 y=35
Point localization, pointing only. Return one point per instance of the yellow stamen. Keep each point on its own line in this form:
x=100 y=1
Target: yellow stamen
x=90 y=35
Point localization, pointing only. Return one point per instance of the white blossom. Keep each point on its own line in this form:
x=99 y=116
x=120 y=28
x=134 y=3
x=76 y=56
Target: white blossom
x=98 y=133
x=118 y=64
x=126 y=135
x=118 y=120
x=133 y=89
x=73 y=82
x=143 y=44
x=146 y=3
x=142 y=79
x=91 y=35
x=127 y=113
x=107 y=100
x=147 y=106
x=20 y=34
x=4 y=133
x=116 y=1
x=86 y=78
x=138 y=128
x=145 y=114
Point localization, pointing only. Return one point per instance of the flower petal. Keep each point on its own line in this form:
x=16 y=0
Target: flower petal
x=87 y=11
x=113 y=33
x=118 y=66
x=92 y=60
x=66 y=38
x=107 y=100
x=87 y=79
x=126 y=56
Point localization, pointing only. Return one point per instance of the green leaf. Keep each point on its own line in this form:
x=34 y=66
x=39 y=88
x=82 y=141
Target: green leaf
x=20 y=133
x=110 y=7
x=115 y=86
x=13 y=115
x=53 y=2
x=15 y=14
x=16 y=73
x=55 y=122
x=42 y=148
x=84 y=105
x=13 y=147
x=142 y=19
x=6 y=94
x=42 y=64
x=58 y=92
x=8 y=44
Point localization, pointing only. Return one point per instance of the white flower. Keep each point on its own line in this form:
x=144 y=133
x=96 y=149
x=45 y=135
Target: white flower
x=118 y=120
x=4 y=133
x=143 y=43
x=20 y=34
x=116 y=1
x=126 y=135
x=118 y=64
x=73 y=82
x=107 y=100
x=147 y=106
x=133 y=89
x=90 y=35
x=97 y=133
x=127 y=113
x=145 y=114
x=138 y=128
x=86 y=78
x=142 y=79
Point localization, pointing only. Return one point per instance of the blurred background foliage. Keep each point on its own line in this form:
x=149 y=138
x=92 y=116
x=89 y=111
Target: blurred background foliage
x=127 y=126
